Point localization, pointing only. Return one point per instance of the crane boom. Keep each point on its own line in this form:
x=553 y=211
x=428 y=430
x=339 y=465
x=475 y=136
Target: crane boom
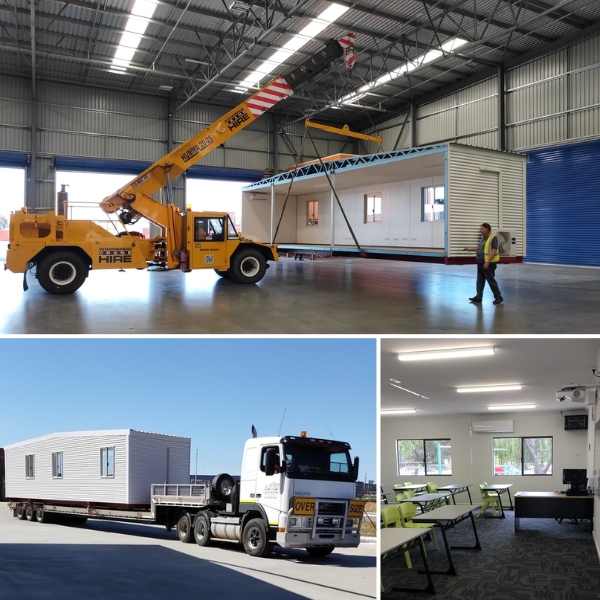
x=134 y=199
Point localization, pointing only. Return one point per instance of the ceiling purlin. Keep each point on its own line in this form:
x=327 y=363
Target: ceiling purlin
x=91 y=43
x=447 y=8
x=568 y=17
x=15 y=40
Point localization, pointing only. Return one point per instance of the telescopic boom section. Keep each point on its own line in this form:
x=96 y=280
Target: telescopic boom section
x=134 y=200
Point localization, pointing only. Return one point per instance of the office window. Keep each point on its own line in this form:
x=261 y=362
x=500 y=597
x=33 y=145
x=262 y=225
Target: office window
x=29 y=464
x=373 y=208
x=522 y=456
x=312 y=212
x=57 y=465
x=433 y=204
x=424 y=457
x=107 y=462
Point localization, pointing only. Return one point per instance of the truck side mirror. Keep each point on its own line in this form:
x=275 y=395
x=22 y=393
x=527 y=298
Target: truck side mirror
x=355 y=468
x=271 y=458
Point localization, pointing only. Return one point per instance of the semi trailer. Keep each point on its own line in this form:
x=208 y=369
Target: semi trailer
x=294 y=491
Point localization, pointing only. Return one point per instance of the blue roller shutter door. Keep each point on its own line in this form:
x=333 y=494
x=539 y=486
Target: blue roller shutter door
x=563 y=205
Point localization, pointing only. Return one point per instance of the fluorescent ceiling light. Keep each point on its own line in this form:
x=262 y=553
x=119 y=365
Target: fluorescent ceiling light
x=448 y=353
x=490 y=388
x=407 y=67
x=136 y=26
x=398 y=411
x=396 y=383
x=511 y=406
x=314 y=27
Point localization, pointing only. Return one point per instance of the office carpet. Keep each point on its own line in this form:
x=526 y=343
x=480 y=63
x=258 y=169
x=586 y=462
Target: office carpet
x=543 y=560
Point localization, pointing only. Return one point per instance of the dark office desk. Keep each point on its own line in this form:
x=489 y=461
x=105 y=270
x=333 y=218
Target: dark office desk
x=445 y=518
x=403 y=539
x=551 y=505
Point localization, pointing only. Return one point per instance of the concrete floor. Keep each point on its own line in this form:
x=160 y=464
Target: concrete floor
x=325 y=296
x=122 y=561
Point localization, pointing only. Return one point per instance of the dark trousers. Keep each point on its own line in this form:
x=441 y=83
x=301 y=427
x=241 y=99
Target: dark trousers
x=488 y=275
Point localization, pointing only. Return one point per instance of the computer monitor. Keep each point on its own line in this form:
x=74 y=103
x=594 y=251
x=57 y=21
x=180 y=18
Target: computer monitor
x=576 y=478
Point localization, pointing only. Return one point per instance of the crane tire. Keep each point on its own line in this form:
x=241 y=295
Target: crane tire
x=248 y=266
x=62 y=272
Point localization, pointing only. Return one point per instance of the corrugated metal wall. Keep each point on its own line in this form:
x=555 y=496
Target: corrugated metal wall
x=484 y=186
x=148 y=455
x=563 y=207
x=81 y=468
x=469 y=117
x=555 y=98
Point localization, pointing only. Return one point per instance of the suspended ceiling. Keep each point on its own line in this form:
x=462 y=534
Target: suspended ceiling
x=201 y=49
x=542 y=366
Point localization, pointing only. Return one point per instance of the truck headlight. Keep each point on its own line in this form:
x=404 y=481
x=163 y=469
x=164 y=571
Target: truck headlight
x=320 y=522
x=335 y=522
x=293 y=521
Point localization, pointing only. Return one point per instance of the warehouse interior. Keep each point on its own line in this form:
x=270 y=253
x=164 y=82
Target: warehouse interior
x=113 y=88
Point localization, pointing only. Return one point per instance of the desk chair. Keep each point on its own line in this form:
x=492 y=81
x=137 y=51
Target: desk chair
x=489 y=499
x=432 y=488
x=407 y=512
x=408 y=483
x=390 y=517
x=400 y=496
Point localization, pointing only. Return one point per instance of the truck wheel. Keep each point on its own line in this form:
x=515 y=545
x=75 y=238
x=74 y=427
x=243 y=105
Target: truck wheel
x=319 y=551
x=185 y=531
x=223 y=485
x=223 y=274
x=41 y=515
x=248 y=266
x=255 y=538
x=21 y=512
x=29 y=513
x=62 y=272
x=202 y=530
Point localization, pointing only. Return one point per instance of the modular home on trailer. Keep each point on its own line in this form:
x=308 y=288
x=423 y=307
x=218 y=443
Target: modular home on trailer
x=113 y=468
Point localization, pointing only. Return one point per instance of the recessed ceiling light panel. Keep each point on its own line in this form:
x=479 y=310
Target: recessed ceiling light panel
x=447 y=353
x=490 y=388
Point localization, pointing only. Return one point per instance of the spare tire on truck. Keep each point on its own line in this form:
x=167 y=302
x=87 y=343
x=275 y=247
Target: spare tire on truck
x=222 y=486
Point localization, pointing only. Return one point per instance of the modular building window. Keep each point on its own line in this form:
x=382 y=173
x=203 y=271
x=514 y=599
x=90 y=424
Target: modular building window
x=522 y=456
x=433 y=204
x=57 y=465
x=107 y=462
x=373 y=208
x=29 y=466
x=312 y=208
x=424 y=457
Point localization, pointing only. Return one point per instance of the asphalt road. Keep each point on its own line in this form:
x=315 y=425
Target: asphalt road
x=112 y=561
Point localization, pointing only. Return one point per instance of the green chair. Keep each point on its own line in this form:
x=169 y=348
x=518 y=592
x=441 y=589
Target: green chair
x=390 y=517
x=400 y=496
x=407 y=483
x=407 y=512
x=432 y=488
x=489 y=499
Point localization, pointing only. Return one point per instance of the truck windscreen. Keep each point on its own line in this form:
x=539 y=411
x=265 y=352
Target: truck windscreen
x=317 y=462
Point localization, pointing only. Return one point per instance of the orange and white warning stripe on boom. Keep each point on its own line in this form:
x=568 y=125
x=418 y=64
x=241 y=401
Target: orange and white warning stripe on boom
x=270 y=95
x=347 y=44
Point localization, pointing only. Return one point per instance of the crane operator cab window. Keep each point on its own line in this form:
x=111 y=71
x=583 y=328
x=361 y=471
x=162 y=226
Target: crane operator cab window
x=208 y=229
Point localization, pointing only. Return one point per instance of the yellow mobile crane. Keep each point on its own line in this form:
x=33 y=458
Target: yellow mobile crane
x=64 y=250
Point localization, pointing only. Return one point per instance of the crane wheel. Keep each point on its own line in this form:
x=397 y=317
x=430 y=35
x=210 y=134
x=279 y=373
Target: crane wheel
x=62 y=272
x=248 y=266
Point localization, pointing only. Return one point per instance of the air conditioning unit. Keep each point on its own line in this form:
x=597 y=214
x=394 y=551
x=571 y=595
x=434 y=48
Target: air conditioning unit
x=507 y=244
x=259 y=196
x=498 y=426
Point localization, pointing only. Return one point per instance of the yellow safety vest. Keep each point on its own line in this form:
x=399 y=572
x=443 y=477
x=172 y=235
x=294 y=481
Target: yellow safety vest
x=487 y=248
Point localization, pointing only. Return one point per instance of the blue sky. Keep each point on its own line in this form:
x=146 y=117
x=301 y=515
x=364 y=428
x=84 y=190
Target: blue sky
x=211 y=390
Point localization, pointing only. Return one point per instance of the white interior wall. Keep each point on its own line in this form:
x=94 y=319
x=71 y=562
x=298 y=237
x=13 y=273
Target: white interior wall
x=400 y=225
x=472 y=453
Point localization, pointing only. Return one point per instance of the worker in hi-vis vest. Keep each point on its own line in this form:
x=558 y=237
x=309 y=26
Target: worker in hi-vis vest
x=487 y=257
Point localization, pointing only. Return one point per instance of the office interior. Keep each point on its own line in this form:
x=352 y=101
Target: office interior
x=541 y=366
